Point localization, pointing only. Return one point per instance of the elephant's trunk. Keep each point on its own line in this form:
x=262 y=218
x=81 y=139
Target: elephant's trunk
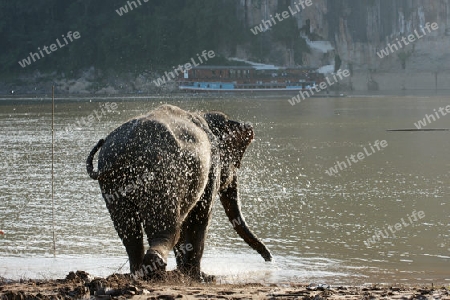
x=230 y=202
x=89 y=162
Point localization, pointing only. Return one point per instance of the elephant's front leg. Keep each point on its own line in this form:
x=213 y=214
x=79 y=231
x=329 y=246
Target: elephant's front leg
x=190 y=246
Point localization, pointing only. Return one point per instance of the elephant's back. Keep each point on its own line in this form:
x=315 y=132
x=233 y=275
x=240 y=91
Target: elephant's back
x=164 y=137
x=127 y=144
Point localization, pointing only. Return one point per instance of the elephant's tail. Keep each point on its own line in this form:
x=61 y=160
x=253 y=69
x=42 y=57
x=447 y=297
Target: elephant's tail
x=89 y=166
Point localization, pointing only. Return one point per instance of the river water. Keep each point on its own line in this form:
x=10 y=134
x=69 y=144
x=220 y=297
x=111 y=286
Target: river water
x=317 y=226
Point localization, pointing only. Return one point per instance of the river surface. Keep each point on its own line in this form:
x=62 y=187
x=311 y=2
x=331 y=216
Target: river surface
x=317 y=226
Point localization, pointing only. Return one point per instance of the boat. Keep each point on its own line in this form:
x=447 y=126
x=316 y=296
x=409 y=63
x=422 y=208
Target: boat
x=248 y=79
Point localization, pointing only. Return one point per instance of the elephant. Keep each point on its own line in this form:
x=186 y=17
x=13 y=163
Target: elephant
x=159 y=173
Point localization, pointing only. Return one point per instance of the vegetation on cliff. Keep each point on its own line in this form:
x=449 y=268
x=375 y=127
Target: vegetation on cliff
x=148 y=37
x=151 y=36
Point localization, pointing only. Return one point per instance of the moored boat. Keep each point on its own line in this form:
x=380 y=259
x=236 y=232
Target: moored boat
x=248 y=79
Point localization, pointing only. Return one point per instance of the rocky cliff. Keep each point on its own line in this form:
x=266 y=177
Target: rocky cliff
x=360 y=29
x=364 y=36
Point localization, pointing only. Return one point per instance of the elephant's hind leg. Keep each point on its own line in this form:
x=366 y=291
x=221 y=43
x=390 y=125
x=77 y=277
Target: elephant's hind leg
x=162 y=228
x=189 y=249
x=127 y=222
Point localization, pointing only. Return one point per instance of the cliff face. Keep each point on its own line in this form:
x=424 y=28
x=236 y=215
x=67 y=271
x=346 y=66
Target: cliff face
x=358 y=29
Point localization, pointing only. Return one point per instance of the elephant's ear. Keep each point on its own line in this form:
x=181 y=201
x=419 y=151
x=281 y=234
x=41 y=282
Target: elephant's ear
x=234 y=137
x=239 y=137
x=217 y=123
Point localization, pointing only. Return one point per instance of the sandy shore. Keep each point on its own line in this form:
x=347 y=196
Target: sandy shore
x=81 y=285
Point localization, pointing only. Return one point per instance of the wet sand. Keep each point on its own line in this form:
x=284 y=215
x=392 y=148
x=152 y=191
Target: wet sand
x=81 y=285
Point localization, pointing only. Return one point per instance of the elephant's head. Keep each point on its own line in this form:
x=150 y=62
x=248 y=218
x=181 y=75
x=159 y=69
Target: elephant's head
x=234 y=138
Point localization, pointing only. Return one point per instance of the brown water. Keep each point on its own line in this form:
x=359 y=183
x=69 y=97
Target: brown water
x=316 y=225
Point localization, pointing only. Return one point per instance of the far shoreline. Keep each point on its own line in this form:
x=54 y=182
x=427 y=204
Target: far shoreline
x=259 y=95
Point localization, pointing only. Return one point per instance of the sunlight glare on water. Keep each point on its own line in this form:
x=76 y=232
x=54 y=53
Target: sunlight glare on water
x=314 y=224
